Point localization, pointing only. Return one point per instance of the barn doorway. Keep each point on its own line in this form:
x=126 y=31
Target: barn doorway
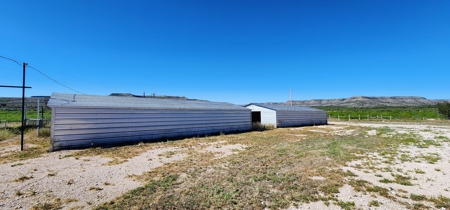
x=256 y=117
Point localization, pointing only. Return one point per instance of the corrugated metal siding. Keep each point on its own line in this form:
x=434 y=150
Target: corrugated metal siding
x=267 y=116
x=84 y=127
x=299 y=118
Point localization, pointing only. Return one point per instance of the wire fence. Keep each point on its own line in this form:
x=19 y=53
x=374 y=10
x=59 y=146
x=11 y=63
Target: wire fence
x=379 y=118
x=28 y=123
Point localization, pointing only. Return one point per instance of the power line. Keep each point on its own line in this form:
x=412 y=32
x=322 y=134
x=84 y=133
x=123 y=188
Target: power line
x=40 y=72
x=18 y=63
x=55 y=80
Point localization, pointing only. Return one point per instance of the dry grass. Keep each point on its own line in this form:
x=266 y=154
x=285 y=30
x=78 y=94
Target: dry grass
x=274 y=171
x=55 y=203
x=6 y=134
x=33 y=146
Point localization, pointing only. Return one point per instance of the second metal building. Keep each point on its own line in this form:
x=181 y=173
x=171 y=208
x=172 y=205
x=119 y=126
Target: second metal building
x=286 y=116
x=80 y=121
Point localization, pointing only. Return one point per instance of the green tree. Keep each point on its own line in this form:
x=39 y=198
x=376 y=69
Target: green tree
x=444 y=108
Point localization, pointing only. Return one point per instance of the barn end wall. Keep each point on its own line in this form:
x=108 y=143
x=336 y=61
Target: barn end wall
x=87 y=127
x=300 y=118
x=268 y=116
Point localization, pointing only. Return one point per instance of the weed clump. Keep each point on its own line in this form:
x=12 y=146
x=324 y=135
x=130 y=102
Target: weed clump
x=262 y=127
x=374 y=203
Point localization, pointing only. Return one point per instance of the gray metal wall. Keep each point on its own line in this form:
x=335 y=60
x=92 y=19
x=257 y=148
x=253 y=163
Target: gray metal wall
x=298 y=118
x=86 y=127
x=268 y=116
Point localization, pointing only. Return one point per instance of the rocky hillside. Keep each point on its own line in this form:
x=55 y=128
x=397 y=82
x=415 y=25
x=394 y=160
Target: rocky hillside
x=30 y=102
x=364 y=101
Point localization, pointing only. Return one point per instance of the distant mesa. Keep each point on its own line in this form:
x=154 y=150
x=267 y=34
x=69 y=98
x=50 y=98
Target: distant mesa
x=367 y=101
x=154 y=96
x=30 y=102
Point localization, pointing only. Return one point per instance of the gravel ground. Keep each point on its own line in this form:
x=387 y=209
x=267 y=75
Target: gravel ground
x=80 y=183
x=428 y=179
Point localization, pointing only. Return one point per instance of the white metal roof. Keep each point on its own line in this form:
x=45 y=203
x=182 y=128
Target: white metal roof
x=277 y=107
x=78 y=100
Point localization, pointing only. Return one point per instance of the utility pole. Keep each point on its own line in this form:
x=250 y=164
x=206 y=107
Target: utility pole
x=38 y=120
x=23 y=107
x=291 y=97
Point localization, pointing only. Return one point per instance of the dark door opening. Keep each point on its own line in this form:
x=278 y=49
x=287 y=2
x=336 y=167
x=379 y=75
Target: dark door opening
x=256 y=117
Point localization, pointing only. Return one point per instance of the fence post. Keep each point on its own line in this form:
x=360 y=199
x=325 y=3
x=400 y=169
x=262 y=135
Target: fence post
x=359 y=117
x=348 y=117
x=339 y=118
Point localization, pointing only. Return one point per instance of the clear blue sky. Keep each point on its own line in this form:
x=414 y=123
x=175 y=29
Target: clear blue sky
x=235 y=51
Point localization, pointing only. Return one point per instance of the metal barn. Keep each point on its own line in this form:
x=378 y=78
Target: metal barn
x=286 y=116
x=80 y=121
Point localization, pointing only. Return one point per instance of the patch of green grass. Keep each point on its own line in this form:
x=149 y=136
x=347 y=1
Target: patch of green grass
x=380 y=190
x=441 y=202
x=346 y=205
x=374 y=203
x=442 y=138
x=405 y=158
x=404 y=113
x=386 y=181
x=384 y=130
x=419 y=171
x=411 y=140
x=402 y=180
x=349 y=173
x=431 y=158
x=136 y=196
x=415 y=197
x=365 y=186
x=427 y=143
x=17 y=164
x=16 y=115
